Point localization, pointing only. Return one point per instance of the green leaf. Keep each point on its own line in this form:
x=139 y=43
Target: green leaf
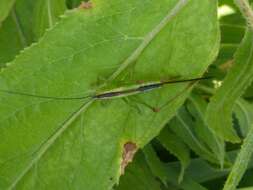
x=50 y=144
x=16 y=31
x=187 y=184
x=46 y=14
x=241 y=163
x=10 y=41
x=202 y=172
x=168 y=172
x=227 y=2
x=138 y=176
x=5 y=8
x=173 y=144
x=219 y=111
x=249 y=92
x=231 y=33
x=25 y=13
x=197 y=105
x=74 y=3
x=246 y=188
x=244 y=113
x=183 y=126
x=156 y=166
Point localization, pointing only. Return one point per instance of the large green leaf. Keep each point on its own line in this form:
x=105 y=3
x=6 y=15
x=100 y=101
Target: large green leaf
x=5 y=8
x=219 y=111
x=50 y=144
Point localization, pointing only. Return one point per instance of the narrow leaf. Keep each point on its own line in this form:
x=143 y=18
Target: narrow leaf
x=187 y=184
x=16 y=31
x=46 y=14
x=174 y=145
x=202 y=172
x=10 y=42
x=183 y=126
x=197 y=105
x=241 y=163
x=5 y=8
x=219 y=111
x=156 y=166
x=244 y=113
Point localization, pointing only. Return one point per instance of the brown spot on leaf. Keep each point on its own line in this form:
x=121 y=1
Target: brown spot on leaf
x=85 y=5
x=129 y=151
x=156 y=110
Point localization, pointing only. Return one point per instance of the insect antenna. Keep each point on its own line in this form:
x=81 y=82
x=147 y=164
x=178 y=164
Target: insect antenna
x=192 y=82
x=187 y=80
x=43 y=97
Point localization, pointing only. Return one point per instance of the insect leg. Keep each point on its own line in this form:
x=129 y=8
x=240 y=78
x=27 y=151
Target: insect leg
x=138 y=101
x=158 y=109
x=128 y=101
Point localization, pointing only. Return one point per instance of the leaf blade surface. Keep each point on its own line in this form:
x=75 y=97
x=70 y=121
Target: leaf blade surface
x=68 y=64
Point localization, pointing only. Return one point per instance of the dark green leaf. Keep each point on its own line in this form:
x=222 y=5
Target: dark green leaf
x=46 y=14
x=138 y=176
x=244 y=113
x=183 y=126
x=75 y=3
x=173 y=144
x=156 y=166
x=197 y=106
x=5 y=8
x=10 y=40
x=16 y=31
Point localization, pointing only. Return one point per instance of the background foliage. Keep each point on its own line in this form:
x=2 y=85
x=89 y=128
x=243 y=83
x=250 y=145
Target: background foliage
x=56 y=48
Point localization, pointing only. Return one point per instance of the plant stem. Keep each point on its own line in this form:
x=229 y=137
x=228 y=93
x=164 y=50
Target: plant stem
x=246 y=11
x=241 y=162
